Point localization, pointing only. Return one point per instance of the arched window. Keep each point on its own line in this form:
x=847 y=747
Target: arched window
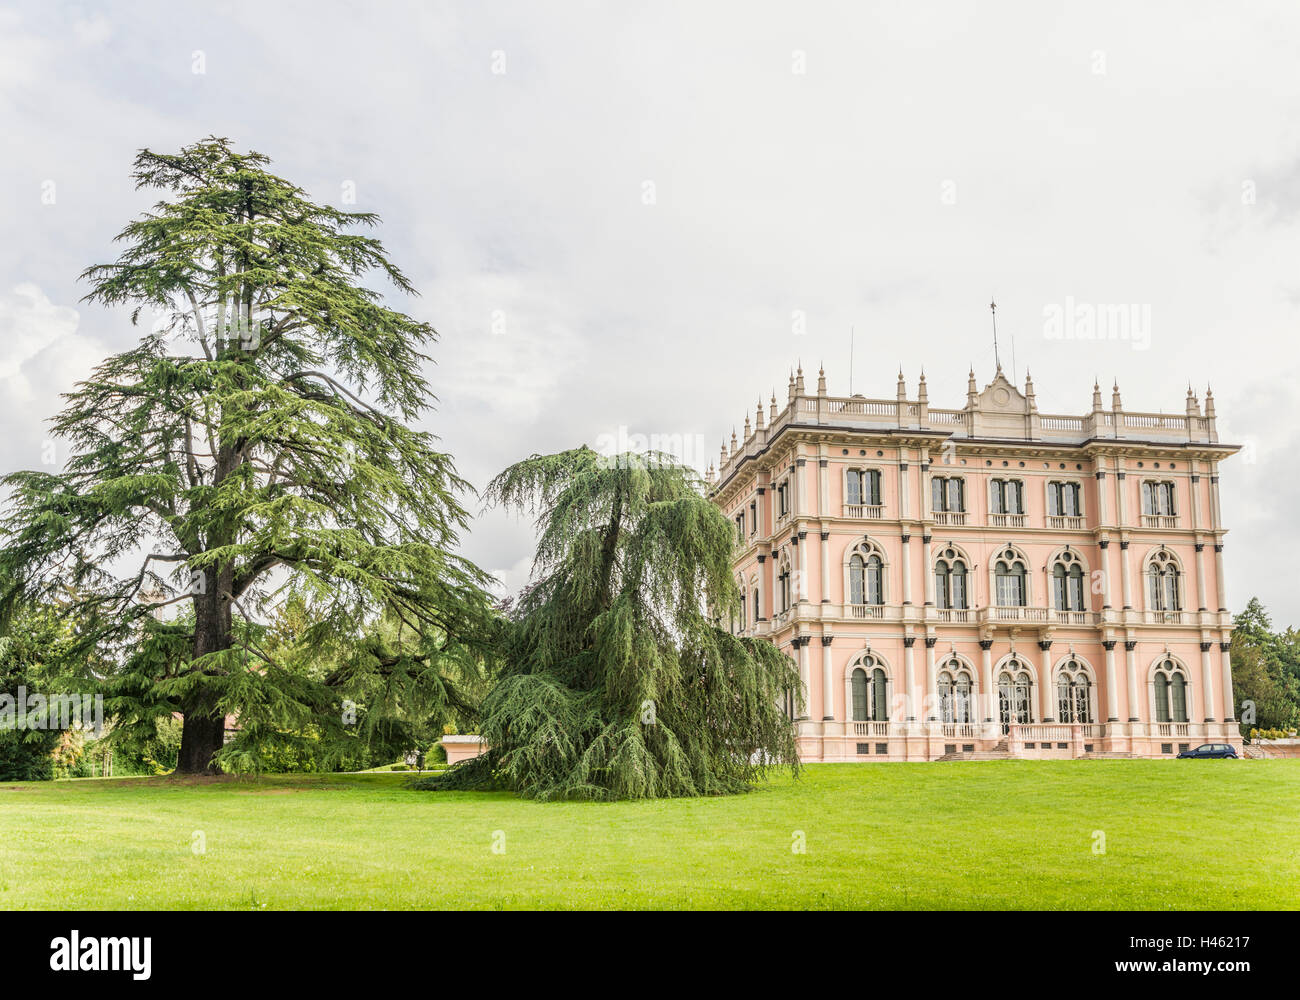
x=1169 y=686
x=863 y=487
x=865 y=574
x=861 y=699
x=1010 y=580
x=1162 y=582
x=955 y=692
x=1067 y=583
x=950 y=580
x=1015 y=694
x=784 y=586
x=869 y=690
x=1073 y=693
x=866 y=580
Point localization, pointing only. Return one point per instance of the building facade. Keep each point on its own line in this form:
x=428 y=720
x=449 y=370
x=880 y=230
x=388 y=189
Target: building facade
x=988 y=580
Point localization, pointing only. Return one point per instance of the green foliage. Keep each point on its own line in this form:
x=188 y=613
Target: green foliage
x=257 y=435
x=617 y=681
x=31 y=642
x=1265 y=670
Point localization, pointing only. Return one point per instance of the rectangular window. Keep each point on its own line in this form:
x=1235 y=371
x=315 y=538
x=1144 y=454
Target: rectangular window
x=1158 y=499
x=864 y=487
x=958 y=582
x=947 y=495
x=753 y=517
x=1015 y=496
x=1008 y=496
x=1063 y=499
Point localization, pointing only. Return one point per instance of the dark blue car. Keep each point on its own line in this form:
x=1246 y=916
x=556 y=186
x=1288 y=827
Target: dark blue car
x=1219 y=751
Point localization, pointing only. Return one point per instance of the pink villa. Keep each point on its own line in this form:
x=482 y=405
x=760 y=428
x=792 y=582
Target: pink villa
x=986 y=581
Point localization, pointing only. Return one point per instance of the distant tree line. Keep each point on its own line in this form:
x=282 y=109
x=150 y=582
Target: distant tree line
x=1265 y=671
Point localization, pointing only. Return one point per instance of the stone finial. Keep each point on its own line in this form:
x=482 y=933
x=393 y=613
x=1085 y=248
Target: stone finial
x=1116 y=403
x=902 y=386
x=772 y=409
x=758 y=421
x=722 y=454
x=792 y=387
x=734 y=442
x=972 y=391
x=798 y=380
x=1029 y=392
x=821 y=380
x=1096 y=395
x=748 y=431
x=1193 y=406
x=922 y=394
x=1209 y=402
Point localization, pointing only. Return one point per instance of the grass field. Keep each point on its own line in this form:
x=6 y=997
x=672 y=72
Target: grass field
x=1000 y=835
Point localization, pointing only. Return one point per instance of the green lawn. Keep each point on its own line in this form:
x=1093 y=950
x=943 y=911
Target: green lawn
x=1005 y=834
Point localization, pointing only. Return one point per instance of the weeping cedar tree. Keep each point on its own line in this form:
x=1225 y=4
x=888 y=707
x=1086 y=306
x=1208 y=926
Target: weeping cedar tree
x=256 y=437
x=616 y=679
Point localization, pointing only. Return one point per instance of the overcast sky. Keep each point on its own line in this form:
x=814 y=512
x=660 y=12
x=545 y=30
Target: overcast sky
x=641 y=215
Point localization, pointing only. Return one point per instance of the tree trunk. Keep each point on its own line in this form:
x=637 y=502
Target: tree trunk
x=201 y=737
x=204 y=729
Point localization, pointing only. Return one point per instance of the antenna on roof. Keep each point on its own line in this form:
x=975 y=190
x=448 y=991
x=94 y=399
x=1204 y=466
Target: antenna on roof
x=993 y=308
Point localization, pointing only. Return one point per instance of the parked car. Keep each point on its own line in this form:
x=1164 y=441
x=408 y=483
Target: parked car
x=1218 y=751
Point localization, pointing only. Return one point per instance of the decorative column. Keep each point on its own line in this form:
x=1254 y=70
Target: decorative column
x=1200 y=574
x=801 y=643
x=800 y=488
x=823 y=484
x=1218 y=576
x=1207 y=680
x=1045 y=713
x=1101 y=493
x=909 y=674
x=927 y=568
x=902 y=483
x=1112 y=692
x=828 y=685
x=801 y=594
x=986 y=680
x=1104 y=546
x=826 y=566
x=927 y=493
x=1229 y=709
x=1130 y=668
x=907 y=568
x=1125 y=587
x=932 y=678
x=761 y=588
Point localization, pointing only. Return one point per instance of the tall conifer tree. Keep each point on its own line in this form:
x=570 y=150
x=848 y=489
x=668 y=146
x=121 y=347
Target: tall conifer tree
x=258 y=435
